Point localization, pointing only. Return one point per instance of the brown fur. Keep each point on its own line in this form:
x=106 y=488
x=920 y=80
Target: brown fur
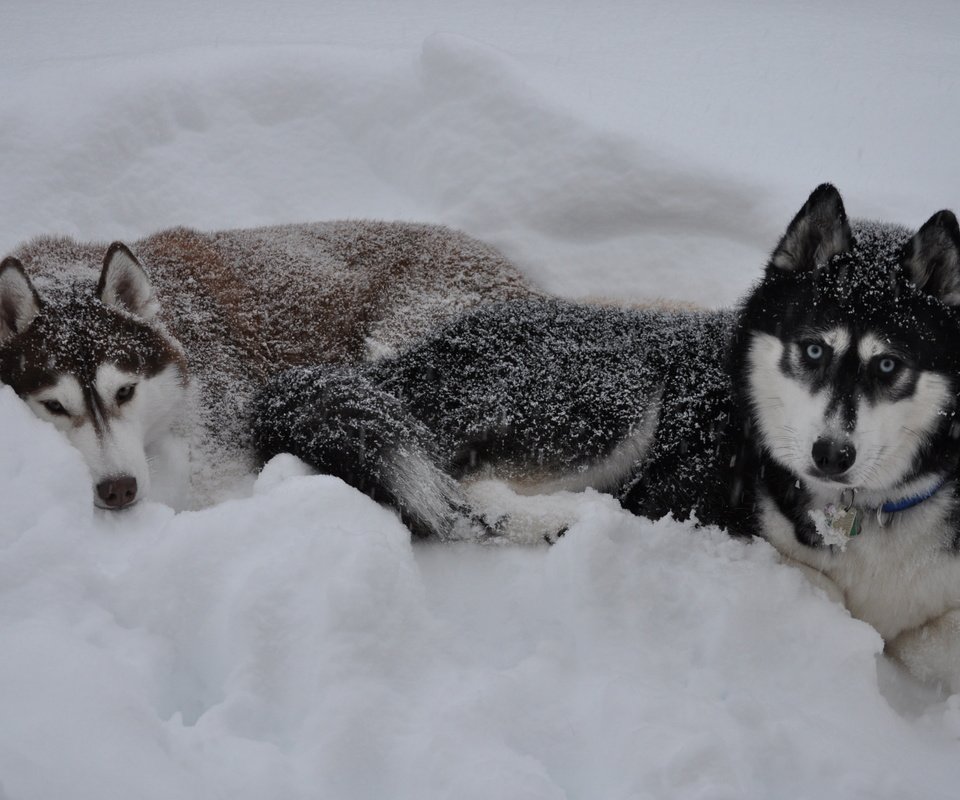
x=246 y=304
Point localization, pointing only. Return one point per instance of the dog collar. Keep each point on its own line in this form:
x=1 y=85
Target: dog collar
x=910 y=502
x=891 y=506
x=838 y=524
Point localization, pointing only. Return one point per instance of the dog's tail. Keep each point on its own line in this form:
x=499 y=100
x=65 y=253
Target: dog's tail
x=341 y=423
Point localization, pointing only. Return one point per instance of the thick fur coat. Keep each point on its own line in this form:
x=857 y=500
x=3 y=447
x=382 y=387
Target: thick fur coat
x=225 y=311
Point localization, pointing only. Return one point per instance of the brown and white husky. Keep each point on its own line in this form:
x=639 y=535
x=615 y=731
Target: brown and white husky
x=131 y=356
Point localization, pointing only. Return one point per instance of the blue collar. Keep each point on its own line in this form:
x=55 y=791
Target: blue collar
x=909 y=502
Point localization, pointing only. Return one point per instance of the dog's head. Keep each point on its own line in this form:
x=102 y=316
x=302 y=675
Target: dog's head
x=849 y=350
x=95 y=362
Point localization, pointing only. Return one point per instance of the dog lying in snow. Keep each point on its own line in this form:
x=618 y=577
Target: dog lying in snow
x=107 y=354
x=821 y=415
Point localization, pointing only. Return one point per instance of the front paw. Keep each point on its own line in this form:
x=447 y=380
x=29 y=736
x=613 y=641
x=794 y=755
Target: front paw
x=931 y=652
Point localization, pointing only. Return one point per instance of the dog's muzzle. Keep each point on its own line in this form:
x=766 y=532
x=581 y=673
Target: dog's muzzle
x=831 y=458
x=117 y=492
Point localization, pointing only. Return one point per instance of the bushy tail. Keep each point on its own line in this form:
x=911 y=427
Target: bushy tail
x=340 y=422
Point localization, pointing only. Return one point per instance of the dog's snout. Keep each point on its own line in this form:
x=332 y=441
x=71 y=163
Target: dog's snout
x=833 y=458
x=117 y=492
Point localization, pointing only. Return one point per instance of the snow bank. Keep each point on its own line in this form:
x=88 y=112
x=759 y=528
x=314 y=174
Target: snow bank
x=295 y=644
x=233 y=138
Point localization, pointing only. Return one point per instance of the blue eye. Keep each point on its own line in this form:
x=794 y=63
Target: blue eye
x=887 y=365
x=814 y=351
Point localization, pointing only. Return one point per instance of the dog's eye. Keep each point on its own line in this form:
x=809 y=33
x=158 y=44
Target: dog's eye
x=125 y=393
x=887 y=365
x=814 y=352
x=56 y=407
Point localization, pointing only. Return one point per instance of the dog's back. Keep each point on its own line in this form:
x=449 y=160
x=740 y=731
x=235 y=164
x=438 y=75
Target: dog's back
x=297 y=294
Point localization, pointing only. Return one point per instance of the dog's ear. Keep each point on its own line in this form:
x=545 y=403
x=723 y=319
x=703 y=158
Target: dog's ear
x=818 y=232
x=124 y=283
x=19 y=301
x=932 y=257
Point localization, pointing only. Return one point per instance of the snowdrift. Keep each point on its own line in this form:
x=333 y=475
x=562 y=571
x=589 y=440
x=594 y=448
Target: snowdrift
x=296 y=644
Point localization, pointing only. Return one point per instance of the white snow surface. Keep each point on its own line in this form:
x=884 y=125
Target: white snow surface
x=294 y=643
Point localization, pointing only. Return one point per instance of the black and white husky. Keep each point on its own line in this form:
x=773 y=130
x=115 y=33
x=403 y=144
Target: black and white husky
x=820 y=415
x=123 y=363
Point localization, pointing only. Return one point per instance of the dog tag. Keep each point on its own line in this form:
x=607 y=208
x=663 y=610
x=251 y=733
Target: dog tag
x=846 y=522
x=836 y=525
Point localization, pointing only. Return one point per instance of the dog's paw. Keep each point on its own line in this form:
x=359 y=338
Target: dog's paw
x=554 y=537
x=487 y=529
x=931 y=652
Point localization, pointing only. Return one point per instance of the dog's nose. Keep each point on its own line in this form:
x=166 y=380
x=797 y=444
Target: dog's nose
x=117 y=492
x=832 y=458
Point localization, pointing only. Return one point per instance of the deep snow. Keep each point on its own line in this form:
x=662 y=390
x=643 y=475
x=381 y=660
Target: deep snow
x=294 y=643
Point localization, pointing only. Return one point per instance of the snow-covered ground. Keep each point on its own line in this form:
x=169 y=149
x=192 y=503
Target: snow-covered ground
x=294 y=644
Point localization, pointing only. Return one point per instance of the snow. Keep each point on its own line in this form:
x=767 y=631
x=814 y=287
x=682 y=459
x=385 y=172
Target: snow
x=294 y=643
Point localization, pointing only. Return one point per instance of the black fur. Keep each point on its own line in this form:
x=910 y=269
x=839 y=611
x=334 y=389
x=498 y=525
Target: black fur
x=539 y=386
x=546 y=386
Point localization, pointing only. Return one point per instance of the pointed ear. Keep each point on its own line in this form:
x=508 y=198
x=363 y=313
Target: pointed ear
x=124 y=283
x=932 y=257
x=818 y=232
x=19 y=302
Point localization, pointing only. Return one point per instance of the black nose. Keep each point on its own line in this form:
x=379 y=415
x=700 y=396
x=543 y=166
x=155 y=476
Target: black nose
x=832 y=458
x=117 y=492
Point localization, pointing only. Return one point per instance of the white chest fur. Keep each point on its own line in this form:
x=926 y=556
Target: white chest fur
x=895 y=577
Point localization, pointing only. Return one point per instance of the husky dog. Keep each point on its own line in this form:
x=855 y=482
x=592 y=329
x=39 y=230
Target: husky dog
x=820 y=415
x=106 y=353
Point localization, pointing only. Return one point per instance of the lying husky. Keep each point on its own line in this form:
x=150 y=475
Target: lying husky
x=107 y=354
x=821 y=415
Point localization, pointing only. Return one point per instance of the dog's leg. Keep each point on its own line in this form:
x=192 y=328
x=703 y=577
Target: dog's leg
x=932 y=652
x=818 y=579
x=520 y=519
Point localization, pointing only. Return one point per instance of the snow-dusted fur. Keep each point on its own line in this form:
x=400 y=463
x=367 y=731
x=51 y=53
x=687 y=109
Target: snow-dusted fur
x=225 y=310
x=533 y=391
x=840 y=372
x=95 y=361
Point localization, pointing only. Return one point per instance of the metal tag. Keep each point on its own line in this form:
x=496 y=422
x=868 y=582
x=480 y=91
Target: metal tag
x=846 y=522
x=838 y=524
